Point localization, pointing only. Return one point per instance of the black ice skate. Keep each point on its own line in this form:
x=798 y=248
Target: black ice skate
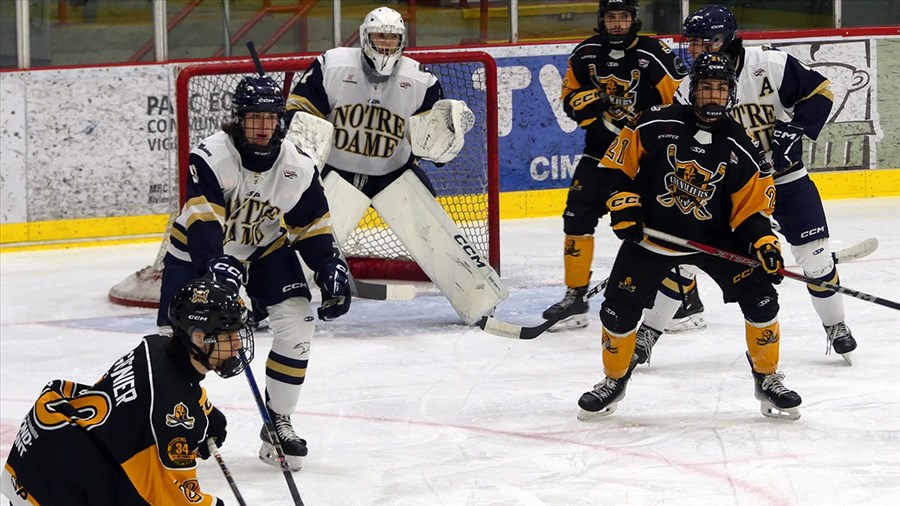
x=571 y=310
x=603 y=399
x=776 y=400
x=840 y=338
x=689 y=315
x=643 y=345
x=294 y=446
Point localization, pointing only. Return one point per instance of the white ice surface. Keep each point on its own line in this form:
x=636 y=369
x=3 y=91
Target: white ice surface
x=405 y=406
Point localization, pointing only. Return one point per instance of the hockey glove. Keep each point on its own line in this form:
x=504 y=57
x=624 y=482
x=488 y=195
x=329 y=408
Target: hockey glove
x=227 y=270
x=586 y=105
x=626 y=216
x=215 y=430
x=787 y=146
x=768 y=251
x=334 y=280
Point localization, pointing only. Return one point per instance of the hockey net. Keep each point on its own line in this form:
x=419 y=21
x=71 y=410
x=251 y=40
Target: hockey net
x=467 y=187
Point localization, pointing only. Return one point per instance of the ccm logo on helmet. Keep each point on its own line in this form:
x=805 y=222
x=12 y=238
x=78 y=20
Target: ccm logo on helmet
x=197 y=317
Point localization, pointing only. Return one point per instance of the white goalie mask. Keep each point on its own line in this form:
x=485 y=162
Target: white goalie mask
x=383 y=38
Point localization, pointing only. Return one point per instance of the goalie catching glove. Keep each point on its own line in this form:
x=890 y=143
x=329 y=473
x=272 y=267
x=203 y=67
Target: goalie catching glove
x=312 y=135
x=768 y=251
x=439 y=134
x=334 y=280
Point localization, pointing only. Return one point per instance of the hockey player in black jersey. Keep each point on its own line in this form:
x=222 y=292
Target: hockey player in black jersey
x=780 y=100
x=693 y=172
x=610 y=77
x=133 y=437
x=254 y=202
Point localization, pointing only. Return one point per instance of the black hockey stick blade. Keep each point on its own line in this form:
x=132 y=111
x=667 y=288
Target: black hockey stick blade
x=857 y=251
x=498 y=327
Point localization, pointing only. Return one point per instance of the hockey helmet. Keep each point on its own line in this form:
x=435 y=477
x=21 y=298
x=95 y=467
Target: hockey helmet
x=215 y=309
x=620 y=41
x=258 y=94
x=382 y=36
x=713 y=26
x=712 y=66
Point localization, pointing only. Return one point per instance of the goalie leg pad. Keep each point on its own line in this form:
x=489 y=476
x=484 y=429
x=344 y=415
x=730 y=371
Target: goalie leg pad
x=292 y=325
x=440 y=248
x=346 y=203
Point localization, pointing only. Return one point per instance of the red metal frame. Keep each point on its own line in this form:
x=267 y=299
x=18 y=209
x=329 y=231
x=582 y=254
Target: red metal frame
x=363 y=268
x=178 y=18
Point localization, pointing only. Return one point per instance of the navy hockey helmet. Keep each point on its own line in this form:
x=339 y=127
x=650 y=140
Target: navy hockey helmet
x=215 y=309
x=709 y=66
x=258 y=94
x=620 y=41
x=713 y=26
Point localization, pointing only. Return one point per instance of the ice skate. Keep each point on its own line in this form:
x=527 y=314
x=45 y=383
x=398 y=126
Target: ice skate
x=603 y=399
x=294 y=446
x=644 y=342
x=573 y=308
x=776 y=400
x=689 y=315
x=840 y=338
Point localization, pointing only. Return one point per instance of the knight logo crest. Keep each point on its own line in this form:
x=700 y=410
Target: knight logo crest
x=690 y=186
x=622 y=94
x=767 y=337
x=627 y=284
x=200 y=296
x=180 y=417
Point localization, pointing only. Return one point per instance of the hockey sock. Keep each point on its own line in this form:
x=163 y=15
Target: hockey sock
x=828 y=305
x=577 y=258
x=763 y=340
x=292 y=324
x=617 y=352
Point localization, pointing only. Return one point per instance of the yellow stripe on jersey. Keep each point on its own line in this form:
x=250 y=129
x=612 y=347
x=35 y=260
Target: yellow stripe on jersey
x=18 y=488
x=301 y=103
x=625 y=152
x=160 y=485
x=320 y=226
x=667 y=87
x=570 y=82
x=204 y=402
x=177 y=235
x=823 y=89
x=757 y=196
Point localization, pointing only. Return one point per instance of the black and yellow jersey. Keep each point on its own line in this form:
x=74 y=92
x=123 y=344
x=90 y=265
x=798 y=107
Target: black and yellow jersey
x=129 y=439
x=696 y=184
x=645 y=74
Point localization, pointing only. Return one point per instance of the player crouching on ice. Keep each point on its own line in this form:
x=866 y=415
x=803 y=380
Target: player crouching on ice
x=692 y=171
x=134 y=436
x=369 y=114
x=252 y=203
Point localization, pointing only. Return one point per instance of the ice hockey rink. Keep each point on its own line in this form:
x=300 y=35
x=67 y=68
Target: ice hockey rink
x=403 y=405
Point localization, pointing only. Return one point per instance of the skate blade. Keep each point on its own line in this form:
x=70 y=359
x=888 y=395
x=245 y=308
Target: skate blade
x=769 y=410
x=693 y=322
x=585 y=415
x=577 y=321
x=848 y=357
x=268 y=455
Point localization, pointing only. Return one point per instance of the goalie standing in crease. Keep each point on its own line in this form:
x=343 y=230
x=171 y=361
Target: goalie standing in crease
x=254 y=202
x=368 y=114
x=691 y=171
x=610 y=77
x=780 y=100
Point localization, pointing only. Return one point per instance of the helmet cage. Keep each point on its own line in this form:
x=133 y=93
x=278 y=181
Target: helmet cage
x=713 y=66
x=709 y=25
x=383 y=61
x=258 y=94
x=618 y=41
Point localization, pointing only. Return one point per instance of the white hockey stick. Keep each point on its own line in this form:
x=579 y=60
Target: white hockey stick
x=857 y=251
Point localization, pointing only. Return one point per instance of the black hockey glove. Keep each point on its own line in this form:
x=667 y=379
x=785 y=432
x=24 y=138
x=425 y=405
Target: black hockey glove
x=227 y=270
x=626 y=216
x=768 y=251
x=216 y=430
x=787 y=146
x=334 y=280
x=586 y=104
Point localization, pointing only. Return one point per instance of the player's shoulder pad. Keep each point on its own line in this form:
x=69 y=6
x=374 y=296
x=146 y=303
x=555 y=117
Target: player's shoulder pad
x=411 y=69
x=214 y=148
x=341 y=57
x=591 y=44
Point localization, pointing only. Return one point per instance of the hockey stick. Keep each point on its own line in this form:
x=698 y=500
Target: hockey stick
x=214 y=451
x=492 y=325
x=270 y=429
x=734 y=257
x=857 y=251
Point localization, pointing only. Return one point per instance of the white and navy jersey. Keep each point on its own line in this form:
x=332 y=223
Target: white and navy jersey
x=247 y=214
x=371 y=119
x=129 y=439
x=772 y=86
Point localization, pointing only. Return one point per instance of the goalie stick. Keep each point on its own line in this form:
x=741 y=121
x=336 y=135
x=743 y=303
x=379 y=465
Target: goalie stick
x=734 y=257
x=498 y=327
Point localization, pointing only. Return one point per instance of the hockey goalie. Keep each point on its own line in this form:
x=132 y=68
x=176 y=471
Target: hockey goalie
x=367 y=115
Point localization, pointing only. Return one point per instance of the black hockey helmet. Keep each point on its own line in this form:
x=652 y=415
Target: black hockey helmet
x=618 y=41
x=258 y=94
x=213 y=308
x=710 y=24
x=713 y=66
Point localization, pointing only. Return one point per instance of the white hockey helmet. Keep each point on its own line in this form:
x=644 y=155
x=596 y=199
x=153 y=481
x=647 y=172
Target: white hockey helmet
x=383 y=53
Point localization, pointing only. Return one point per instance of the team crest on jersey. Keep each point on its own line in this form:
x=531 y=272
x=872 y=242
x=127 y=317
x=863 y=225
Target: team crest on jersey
x=290 y=174
x=627 y=284
x=180 y=417
x=690 y=186
x=405 y=84
x=622 y=93
x=180 y=452
x=200 y=296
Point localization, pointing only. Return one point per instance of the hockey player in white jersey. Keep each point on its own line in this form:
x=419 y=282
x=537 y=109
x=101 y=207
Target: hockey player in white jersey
x=369 y=114
x=779 y=101
x=253 y=202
